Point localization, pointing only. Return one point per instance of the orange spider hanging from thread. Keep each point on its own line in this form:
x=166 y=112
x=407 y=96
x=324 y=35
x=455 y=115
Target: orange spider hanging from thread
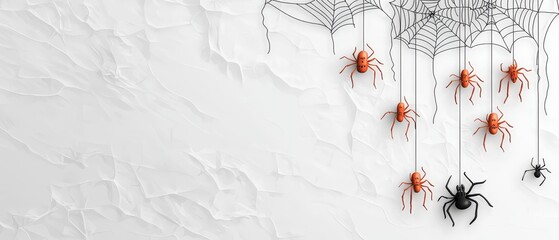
x=492 y=125
x=362 y=63
x=466 y=77
x=514 y=73
x=401 y=114
x=417 y=182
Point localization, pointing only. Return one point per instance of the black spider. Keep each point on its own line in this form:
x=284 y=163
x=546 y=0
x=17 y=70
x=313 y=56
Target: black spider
x=537 y=170
x=462 y=199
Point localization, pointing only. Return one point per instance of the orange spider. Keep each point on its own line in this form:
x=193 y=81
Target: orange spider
x=514 y=73
x=416 y=181
x=363 y=63
x=401 y=114
x=464 y=80
x=493 y=124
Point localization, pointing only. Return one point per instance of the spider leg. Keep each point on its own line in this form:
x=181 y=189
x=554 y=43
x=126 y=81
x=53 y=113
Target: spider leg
x=521 y=87
x=428 y=188
x=502 y=69
x=347 y=66
x=374 y=77
x=424 y=173
x=425 y=198
x=510 y=136
x=472 y=183
x=445 y=197
x=446 y=186
x=508 y=87
x=471 y=67
x=406 y=100
x=543 y=159
x=351 y=76
x=448 y=211
x=381 y=75
x=527 y=70
x=404 y=183
x=403 y=193
x=456 y=92
x=354 y=51
x=502 y=139
x=454 y=75
x=475 y=216
x=374 y=59
x=532 y=163
x=386 y=113
x=372 y=51
x=476 y=76
x=408 y=117
x=484 y=137
x=479 y=86
x=472 y=95
x=527 y=82
x=501 y=81
x=523 y=175
x=543 y=179
x=411 y=110
x=478 y=119
x=427 y=181
x=392 y=128
x=502 y=114
x=505 y=122
x=479 y=195
x=352 y=60
x=452 y=82
x=444 y=205
x=546 y=170
x=407 y=129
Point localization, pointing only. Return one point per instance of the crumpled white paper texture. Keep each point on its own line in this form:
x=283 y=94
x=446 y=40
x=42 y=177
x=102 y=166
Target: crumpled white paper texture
x=167 y=119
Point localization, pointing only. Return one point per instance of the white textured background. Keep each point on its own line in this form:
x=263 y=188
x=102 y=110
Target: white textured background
x=162 y=119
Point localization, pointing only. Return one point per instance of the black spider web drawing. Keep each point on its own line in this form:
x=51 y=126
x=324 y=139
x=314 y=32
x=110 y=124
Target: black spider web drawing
x=330 y=14
x=437 y=27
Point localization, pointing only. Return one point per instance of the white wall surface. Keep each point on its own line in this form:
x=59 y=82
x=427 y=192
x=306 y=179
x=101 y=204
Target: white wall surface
x=166 y=119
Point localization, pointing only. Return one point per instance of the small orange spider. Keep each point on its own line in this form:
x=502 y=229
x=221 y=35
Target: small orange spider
x=418 y=184
x=514 y=73
x=466 y=77
x=363 y=63
x=401 y=114
x=493 y=124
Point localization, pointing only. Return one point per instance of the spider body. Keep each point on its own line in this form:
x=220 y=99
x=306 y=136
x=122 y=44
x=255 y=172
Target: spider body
x=462 y=199
x=466 y=77
x=401 y=113
x=363 y=61
x=538 y=170
x=514 y=74
x=493 y=124
x=417 y=184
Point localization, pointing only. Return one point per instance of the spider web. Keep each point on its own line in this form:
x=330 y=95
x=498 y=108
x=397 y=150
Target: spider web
x=427 y=25
x=330 y=14
x=511 y=21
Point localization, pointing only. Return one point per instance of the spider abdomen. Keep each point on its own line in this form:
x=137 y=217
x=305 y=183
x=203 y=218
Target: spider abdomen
x=537 y=173
x=362 y=62
x=463 y=203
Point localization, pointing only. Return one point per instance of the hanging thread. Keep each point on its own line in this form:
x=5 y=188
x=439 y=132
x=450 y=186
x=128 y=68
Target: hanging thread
x=415 y=92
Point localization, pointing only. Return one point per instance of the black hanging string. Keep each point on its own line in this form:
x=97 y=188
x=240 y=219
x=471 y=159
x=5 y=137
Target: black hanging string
x=400 y=23
x=514 y=19
x=539 y=78
x=363 y=25
x=415 y=89
x=491 y=80
x=460 y=98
